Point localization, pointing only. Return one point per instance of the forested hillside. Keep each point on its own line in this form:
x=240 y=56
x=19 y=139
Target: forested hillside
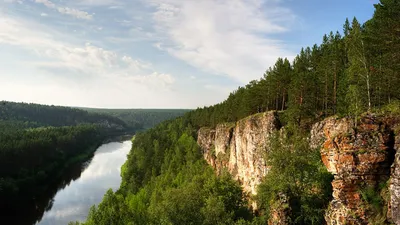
x=23 y=115
x=31 y=160
x=38 y=143
x=166 y=181
x=143 y=118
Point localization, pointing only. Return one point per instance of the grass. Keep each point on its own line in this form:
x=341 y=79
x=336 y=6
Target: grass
x=375 y=200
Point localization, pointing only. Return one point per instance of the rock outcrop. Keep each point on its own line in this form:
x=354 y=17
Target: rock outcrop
x=394 y=188
x=240 y=148
x=359 y=157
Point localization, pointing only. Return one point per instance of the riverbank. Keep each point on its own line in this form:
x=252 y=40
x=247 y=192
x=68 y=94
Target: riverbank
x=99 y=174
x=31 y=191
x=120 y=138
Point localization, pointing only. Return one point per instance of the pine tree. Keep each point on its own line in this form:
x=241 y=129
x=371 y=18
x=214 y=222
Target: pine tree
x=346 y=27
x=383 y=36
x=358 y=72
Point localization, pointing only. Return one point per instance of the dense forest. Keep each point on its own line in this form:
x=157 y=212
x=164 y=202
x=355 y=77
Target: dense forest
x=38 y=143
x=166 y=181
x=142 y=118
x=23 y=115
x=32 y=159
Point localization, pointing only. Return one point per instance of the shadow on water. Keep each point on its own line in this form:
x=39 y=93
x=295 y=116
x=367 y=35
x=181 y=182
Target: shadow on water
x=29 y=210
x=80 y=186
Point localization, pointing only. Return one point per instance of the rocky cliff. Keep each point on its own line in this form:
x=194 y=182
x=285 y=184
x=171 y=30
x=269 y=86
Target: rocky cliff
x=361 y=158
x=240 y=148
x=394 y=188
x=394 y=183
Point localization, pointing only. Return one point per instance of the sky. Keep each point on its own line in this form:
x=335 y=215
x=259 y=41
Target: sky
x=154 y=53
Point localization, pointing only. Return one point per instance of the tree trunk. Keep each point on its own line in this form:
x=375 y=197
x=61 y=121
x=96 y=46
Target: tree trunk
x=367 y=76
x=334 y=89
x=326 y=94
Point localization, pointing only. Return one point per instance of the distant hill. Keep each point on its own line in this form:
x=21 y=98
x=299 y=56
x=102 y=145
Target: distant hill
x=28 y=115
x=145 y=118
x=39 y=142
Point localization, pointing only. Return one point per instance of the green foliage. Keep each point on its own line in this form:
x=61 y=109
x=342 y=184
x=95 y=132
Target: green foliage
x=358 y=72
x=38 y=143
x=393 y=107
x=354 y=98
x=375 y=199
x=166 y=181
x=382 y=34
x=31 y=159
x=22 y=115
x=372 y=197
x=297 y=173
x=140 y=118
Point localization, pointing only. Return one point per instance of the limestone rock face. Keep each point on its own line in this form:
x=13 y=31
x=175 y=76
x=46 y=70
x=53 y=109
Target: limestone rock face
x=394 y=188
x=240 y=148
x=356 y=156
x=206 y=139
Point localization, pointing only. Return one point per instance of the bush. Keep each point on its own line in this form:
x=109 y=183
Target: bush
x=298 y=173
x=375 y=200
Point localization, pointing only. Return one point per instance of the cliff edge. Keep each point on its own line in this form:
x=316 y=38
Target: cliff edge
x=240 y=147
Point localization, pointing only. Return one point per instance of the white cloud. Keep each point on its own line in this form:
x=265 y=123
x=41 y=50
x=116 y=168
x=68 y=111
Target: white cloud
x=87 y=60
x=51 y=60
x=43 y=14
x=66 y=10
x=75 y=13
x=225 y=37
x=135 y=64
x=162 y=80
x=47 y=3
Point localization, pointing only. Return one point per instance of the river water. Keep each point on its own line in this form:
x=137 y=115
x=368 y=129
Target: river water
x=102 y=172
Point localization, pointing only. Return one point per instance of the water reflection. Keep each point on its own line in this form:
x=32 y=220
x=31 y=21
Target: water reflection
x=103 y=172
x=70 y=197
x=27 y=210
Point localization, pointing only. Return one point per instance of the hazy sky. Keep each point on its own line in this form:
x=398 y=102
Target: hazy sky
x=153 y=53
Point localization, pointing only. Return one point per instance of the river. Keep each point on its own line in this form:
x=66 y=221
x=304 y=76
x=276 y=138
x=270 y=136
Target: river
x=102 y=172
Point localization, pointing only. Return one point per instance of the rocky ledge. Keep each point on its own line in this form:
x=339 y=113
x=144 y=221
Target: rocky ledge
x=360 y=156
